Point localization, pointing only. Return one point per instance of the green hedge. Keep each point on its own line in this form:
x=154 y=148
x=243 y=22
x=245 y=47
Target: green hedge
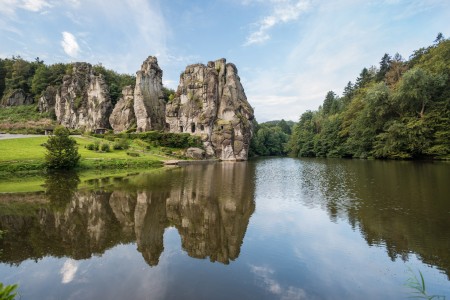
x=158 y=138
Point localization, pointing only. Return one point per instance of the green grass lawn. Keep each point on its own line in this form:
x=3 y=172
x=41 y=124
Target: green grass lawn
x=28 y=155
x=22 y=149
x=26 y=149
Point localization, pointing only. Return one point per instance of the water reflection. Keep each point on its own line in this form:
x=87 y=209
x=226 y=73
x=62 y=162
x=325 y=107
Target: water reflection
x=209 y=205
x=402 y=206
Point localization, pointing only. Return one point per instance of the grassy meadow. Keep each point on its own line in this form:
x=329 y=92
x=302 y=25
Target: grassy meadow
x=28 y=155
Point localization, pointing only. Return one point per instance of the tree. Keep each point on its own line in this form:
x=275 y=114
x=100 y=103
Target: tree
x=330 y=103
x=2 y=77
x=384 y=66
x=439 y=38
x=168 y=94
x=364 y=77
x=284 y=126
x=62 y=150
x=40 y=80
x=417 y=89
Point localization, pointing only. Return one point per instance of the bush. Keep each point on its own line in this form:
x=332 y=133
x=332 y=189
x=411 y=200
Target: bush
x=121 y=144
x=96 y=145
x=105 y=147
x=133 y=154
x=62 y=150
x=90 y=146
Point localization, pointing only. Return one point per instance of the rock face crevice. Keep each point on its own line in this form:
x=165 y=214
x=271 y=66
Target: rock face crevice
x=149 y=106
x=210 y=102
x=83 y=101
x=123 y=117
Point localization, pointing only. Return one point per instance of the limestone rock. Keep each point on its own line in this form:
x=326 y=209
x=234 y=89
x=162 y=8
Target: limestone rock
x=17 y=97
x=149 y=106
x=210 y=102
x=123 y=118
x=83 y=100
x=47 y=101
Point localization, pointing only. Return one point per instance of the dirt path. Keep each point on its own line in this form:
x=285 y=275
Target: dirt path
x=6 y=136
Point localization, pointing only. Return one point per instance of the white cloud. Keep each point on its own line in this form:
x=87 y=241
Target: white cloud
x=35 y=5
x=265 y=276
x=9 y=7
x=283 y=11
x=68 y=270
x=69 y=44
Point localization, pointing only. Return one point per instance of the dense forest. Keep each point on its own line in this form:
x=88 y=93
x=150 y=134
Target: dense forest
x=271 y=138
x=399 y=110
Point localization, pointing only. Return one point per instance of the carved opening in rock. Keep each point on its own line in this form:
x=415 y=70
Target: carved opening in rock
x=202 y=127
x=192 y=127
x=221 y=127
x=181 y=128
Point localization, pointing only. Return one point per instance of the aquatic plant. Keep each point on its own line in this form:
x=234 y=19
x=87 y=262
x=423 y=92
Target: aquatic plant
x=8 y=292
x=418 y=285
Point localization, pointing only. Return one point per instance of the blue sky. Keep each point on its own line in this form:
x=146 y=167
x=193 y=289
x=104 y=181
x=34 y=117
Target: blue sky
x=289 y=53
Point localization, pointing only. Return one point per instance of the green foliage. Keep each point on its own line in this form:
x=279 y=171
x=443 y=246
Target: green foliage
x=8 y=292
x=169 y=139
x=40 y=80
x=105 y=147
x=62 y=150
x=2 y=77
x=133 y=154
x=20 y=114
x=121 y=143
x=115 y=81
x=270 y=138
x=392 y=112
x=330 y=104
x=419 y=288
x=169 y=94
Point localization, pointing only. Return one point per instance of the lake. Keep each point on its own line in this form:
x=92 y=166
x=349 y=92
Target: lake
x=276 y=228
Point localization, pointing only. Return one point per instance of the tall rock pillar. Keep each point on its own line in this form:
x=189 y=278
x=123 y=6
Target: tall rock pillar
x=149 y=106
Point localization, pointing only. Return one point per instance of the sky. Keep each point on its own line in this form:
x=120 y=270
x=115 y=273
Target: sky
x=289 y=53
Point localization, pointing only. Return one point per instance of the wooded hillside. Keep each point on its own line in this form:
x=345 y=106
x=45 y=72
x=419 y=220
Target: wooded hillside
x=399 y=110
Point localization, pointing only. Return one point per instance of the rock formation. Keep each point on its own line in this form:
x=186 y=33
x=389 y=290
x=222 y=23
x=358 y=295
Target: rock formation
x=210 y=102
x=16 y=98
x=122 y=117
x=83 y=100
x=149 y=106
x=46 y=102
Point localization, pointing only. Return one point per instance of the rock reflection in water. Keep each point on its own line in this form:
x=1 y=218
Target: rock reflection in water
x=209 y=205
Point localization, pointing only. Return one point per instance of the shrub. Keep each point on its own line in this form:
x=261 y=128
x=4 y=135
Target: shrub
x=62 y=150
x=96 y=145
x=90 y=146
x=133 y=154
x=105 y=147
x=121 y=143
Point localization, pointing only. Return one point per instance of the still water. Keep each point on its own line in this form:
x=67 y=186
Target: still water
x=276 y=228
